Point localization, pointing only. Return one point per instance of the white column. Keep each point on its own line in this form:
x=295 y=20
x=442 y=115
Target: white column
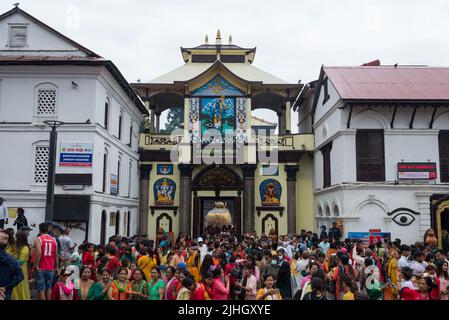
x=184 y=149
x=424 y=212
x=250 y=156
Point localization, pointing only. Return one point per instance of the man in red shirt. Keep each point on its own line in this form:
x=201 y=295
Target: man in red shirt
x=46 y=261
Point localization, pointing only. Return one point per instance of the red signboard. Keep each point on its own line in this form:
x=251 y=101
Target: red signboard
x=417 y=171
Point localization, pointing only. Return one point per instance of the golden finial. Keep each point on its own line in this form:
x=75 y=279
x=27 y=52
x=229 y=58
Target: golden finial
x=206 y=40
x=218 y=39
x=230 y=39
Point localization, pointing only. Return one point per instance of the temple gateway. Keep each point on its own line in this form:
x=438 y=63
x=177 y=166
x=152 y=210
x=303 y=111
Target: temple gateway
x=263 y=172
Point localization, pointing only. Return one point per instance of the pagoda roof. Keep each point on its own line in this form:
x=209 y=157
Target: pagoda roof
x=244 y=71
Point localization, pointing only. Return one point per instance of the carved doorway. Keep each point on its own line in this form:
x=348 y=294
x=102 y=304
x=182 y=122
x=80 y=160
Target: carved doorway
x=217 y=178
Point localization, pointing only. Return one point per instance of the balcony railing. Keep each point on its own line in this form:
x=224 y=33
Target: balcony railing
x=283 y=142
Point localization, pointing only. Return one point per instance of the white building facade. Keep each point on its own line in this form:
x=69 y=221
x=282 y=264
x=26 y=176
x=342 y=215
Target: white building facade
x=46 y=76
x=367 y=121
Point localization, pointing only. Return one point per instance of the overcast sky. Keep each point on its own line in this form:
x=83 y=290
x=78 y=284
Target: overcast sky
x=293 y=37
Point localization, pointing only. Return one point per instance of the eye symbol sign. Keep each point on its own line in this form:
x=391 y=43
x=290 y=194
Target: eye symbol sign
x=403 y=216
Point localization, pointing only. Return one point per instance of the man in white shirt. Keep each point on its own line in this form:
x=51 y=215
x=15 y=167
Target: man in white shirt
x=418 y=265
x=67 y=247
x=203 y=249
x=3 y=213
x=403 y=261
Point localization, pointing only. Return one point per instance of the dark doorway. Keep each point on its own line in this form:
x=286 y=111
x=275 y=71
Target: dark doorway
x=117 y=222
x=103 y=227
x=445 y=220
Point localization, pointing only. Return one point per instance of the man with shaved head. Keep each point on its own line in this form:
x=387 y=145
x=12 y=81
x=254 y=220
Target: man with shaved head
x=10 y=271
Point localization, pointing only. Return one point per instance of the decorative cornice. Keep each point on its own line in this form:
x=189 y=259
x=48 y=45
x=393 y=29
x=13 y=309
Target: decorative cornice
x=291 y=172
x=145 y=170
x=248 y=170
x=186 y=169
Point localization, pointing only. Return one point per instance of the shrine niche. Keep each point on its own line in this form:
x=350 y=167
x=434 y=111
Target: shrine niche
x=165 y=222
x=269 y=223
x=270 y=192
x=214 y=178
x=164 y=191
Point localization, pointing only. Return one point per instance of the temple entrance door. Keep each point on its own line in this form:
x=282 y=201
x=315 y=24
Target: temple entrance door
x=208 y=203
x=216 y=183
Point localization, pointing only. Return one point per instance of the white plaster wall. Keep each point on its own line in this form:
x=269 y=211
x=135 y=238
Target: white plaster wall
x=39 y=41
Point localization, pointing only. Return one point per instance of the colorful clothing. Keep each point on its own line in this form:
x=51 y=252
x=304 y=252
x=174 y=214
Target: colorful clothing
x=22 y=290
x=261 y=292
x=120 y=292
x=140 y=287
x=86 y=296
x=153 y=288
x=146 y=264
x=98 y=292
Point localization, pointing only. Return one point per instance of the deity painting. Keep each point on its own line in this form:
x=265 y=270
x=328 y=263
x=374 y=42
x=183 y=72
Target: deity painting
x=217 y=113
x=217 y=86
x=270 y=192
x=165 y=169
x=164 y=191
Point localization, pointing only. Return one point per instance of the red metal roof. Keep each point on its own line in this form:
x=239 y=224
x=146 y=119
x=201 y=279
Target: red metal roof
x=390 y=83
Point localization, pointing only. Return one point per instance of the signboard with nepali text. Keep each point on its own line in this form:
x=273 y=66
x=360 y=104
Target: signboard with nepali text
x=75 y=154
x=417 y=171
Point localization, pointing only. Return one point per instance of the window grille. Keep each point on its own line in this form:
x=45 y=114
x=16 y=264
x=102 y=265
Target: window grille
x=46 y=102
x=41 y=164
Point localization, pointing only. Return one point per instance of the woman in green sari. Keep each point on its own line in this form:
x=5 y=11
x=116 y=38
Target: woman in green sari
x=139 y=287
x=84 y=284
x=156 y=286
x=102 y=286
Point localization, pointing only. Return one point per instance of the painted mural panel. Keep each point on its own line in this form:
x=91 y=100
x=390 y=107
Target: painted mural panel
x=164 y=169
x=218 y=86
x=270 y=192
x=164 y=191
x=217 y=113
x=241 y=118
x=194 y=119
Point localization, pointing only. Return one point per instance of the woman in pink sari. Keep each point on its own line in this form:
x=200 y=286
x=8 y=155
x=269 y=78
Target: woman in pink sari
x=220 y=290
x=171 y=282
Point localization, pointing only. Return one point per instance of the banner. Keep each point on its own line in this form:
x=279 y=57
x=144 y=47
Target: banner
x=114 y=183
x=75 y=154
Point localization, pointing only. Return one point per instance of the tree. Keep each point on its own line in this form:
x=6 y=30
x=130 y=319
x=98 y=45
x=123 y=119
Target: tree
x=175 y=118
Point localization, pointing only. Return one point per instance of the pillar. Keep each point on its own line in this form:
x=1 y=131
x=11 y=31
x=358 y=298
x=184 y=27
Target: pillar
x=152 y=130
x=185 y=198
x=249 y=224
x=158 y=115
x=144 y=197
x=288 y=118
x=291 y=171
x=281 y=122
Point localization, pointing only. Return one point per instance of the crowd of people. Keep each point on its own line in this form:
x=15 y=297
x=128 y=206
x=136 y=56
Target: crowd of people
x=220 y=265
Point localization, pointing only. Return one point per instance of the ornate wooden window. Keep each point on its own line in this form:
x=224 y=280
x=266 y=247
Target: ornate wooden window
x=326 y=151
x=443 y=145
x=370 y=155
